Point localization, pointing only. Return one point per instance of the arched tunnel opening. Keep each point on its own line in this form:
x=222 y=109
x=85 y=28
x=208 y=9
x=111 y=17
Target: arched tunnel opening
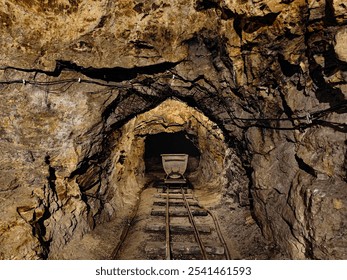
x=171 y=127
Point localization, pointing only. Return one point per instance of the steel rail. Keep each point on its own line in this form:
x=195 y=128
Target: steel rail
x=196 y=232
x=219 y=233
x=167 y=233
x=125 y=231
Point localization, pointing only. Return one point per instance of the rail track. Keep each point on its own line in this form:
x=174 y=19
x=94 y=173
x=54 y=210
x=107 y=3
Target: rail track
x=175 y=228
x=191 y=231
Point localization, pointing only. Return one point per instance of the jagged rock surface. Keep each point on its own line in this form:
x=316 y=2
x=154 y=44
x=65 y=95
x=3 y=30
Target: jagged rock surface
x=117 y=59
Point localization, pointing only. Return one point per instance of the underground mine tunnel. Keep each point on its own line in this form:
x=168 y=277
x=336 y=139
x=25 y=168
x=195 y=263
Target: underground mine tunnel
x=94 y=92
x=182 y=130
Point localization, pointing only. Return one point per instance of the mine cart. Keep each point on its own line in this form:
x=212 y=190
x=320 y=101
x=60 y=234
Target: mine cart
x=174 y=165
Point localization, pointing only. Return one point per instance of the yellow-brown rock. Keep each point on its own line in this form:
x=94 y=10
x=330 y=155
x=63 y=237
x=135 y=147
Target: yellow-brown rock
x=260 y=84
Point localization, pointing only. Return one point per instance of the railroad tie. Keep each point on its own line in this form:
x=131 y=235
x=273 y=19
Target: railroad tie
x=175 y=202
x=158 y=211
x=178 y=228
x=185 y=248
x=173 y=196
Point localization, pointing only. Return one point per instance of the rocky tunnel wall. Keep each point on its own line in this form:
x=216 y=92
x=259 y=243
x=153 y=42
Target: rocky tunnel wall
x=270 y=75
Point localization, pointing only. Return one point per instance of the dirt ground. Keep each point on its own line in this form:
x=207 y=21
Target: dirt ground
x=240 y=231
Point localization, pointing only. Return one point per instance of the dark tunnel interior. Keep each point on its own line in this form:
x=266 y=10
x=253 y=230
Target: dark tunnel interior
x=169 y=143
